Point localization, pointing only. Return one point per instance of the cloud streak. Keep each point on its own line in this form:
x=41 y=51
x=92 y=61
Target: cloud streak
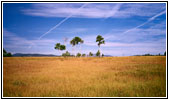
x=95 y=10
x=57 y=25
x=65 y=19
x=121 y=40
x=150 y=19
x=20 y=44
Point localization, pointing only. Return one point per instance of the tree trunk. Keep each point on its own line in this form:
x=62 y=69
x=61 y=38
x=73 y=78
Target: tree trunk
x=73 y=50
x=80 y=49
x=100 y=52
x=59 y=52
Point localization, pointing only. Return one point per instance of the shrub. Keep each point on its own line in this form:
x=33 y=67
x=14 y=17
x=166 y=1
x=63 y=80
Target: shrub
x=83 y=55
x=98 y=53
x=66 y=54
x=78 y=55
x=102 y=55
x=90 y=54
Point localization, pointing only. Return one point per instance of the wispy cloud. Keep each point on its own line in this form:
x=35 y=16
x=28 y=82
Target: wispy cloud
x=157 y=15
x=113 y=11
x=150 y=19
x=120 y=40
x=95 y=10
x=14 y=40
x=128 y=49
x=72 y=30
x=57 y=25
x=17 y=43
x=137 y=41
x=62 y=21
x=140 y=34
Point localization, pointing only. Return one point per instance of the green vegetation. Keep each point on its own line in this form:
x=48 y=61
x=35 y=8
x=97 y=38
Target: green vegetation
x=75 y=41
x=153 y=54
x=165 y=53
x=83 y=55
x=98 y=53
x=67 y=54
x=78 y=55
x=100 y=41
x=90 y=54
x=58 y=46
x=6 y=54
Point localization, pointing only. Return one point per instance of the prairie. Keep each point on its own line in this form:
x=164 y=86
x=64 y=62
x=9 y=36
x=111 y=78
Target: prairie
x=135 y=76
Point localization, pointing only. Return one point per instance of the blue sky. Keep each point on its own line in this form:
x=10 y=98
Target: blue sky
x=128 y=28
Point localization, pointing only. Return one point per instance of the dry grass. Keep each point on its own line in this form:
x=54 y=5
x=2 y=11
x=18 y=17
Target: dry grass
x=84 y=77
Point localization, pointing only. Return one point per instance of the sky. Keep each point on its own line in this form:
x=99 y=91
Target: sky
x=127 y=28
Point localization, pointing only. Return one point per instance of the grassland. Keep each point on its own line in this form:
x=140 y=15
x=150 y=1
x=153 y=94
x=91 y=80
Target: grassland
x=84 y=77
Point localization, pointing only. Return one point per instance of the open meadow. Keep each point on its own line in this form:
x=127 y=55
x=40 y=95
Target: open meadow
x=135 y=76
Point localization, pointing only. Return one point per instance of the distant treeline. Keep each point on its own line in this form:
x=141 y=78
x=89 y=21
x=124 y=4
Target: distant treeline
x=67 y=54
x=152 y=54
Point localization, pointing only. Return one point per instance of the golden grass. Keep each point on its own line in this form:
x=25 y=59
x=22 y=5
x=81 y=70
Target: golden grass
x=84 y=77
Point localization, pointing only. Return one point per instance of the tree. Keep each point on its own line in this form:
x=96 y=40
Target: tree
x=58 y=46
x=100 y=41
x=6 y=54
x=9 y=55
x=98 y=53
x=4 y=51
x=165 y=53
x=75 y=41
x=90 y=54
x=78 y=54
x=83 y=55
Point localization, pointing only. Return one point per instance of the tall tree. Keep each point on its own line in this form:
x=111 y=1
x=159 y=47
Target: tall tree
x=73 y=43
x=76 y=40
x=100 y=41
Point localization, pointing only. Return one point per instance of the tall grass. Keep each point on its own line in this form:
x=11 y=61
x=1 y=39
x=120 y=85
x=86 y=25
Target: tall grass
x=84 y=77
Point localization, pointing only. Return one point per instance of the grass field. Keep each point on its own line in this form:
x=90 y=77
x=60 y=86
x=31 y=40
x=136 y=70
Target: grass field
x=139 y=76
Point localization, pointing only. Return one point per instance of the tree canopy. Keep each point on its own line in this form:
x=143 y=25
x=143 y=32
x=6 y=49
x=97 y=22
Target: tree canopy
x=58 y=46
x=100 y=40
x=62 y=47
x=76 y=41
